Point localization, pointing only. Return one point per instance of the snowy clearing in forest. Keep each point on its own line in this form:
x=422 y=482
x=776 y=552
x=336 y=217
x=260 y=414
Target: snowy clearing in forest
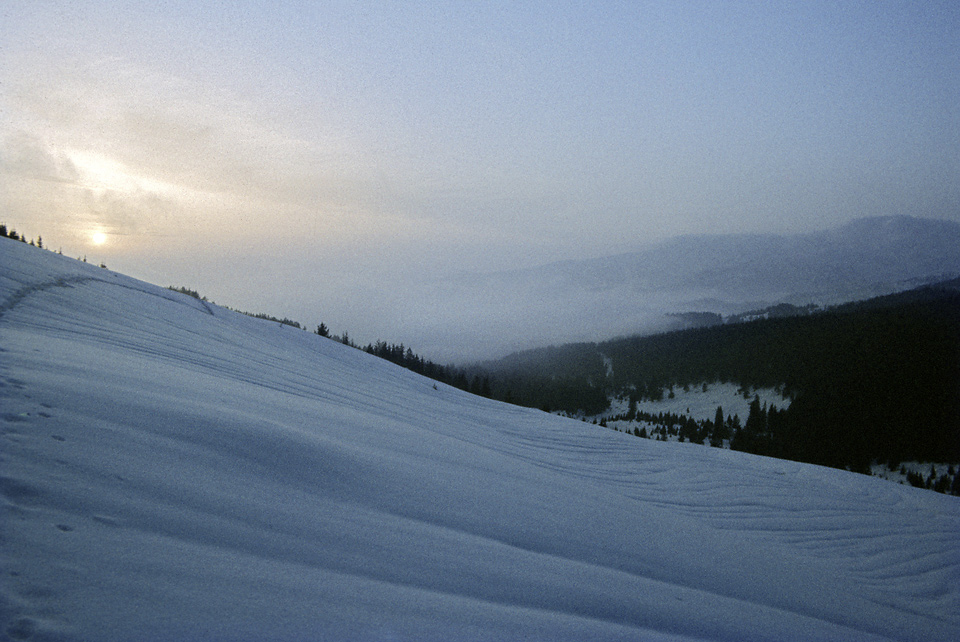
x=700 y=401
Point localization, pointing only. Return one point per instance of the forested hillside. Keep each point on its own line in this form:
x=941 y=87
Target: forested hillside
x=875 y=380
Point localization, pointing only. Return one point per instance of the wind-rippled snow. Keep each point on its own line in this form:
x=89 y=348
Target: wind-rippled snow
x=174 y=471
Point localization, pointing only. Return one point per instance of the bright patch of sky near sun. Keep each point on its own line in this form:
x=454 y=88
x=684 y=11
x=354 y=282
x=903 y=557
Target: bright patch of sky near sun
x=247 y=145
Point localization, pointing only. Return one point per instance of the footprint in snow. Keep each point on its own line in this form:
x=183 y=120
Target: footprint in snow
x=21 y=629
x=19 y=493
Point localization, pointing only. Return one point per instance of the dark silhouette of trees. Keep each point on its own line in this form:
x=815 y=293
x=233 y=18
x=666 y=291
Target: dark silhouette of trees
x=877 y=380
x=720 y=430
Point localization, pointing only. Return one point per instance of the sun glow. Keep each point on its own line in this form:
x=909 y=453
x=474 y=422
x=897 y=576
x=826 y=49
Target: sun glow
x=103 y=173
x=98 y=238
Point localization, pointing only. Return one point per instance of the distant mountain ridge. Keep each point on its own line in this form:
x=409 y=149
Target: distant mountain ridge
x=673 y=284
x=867 y=256
x=643 y=292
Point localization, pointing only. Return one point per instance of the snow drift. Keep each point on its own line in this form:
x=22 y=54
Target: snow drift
x=175 y=471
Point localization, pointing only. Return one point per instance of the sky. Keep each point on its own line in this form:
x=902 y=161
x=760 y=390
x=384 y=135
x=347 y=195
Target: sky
x=308 y=158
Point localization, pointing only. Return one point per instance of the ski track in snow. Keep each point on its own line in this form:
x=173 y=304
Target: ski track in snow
x=170 y=470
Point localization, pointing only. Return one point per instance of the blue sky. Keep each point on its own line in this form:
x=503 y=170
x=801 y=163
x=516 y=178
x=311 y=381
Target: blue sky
x=271 y=143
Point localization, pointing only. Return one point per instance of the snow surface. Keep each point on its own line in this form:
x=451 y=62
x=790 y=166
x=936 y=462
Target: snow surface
x=701 y=404
x=174 y=471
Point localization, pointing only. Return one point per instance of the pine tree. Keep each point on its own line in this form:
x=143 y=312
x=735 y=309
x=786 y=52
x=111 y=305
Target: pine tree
x=757 y=418
x=485 y=390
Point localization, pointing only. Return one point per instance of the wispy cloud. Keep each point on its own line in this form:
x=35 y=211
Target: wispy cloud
x=348 y=146
x=137 y=151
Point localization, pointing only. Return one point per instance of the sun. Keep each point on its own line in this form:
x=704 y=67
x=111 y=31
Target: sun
x=99 y=238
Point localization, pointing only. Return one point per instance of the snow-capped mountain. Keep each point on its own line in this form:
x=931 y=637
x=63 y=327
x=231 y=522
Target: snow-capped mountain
x=175 y=471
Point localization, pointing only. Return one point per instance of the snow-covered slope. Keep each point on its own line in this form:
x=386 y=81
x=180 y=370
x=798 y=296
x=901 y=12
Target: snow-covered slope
x=174 y=471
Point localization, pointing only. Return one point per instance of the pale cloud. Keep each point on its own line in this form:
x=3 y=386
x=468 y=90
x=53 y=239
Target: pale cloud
x=145 y=154
x=139 y=153
x=26 y=157
x=349 y=152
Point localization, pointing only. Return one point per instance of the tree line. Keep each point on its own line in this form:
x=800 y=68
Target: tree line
x=877 y=380
x=11 y=233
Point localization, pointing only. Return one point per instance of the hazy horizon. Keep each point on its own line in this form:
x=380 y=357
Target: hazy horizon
x=328 y=161
x=472 y=317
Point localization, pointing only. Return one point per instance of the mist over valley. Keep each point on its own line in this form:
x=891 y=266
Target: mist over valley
x=473 y=317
